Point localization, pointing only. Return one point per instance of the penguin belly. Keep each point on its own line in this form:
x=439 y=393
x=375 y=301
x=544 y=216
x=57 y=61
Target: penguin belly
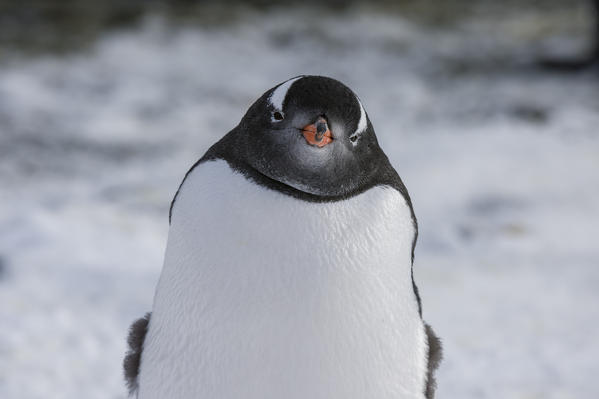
x=265 y=296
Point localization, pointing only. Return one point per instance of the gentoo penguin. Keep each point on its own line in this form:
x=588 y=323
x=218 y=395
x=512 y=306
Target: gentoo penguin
x=288 y=268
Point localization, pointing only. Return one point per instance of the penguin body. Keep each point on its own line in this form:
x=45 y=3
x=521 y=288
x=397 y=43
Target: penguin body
x=288 y=269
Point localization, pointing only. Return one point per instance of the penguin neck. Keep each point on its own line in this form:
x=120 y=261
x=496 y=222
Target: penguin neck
x=229 y=149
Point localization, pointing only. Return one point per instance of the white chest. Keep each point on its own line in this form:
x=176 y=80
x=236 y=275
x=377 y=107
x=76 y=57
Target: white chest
x=264 y=296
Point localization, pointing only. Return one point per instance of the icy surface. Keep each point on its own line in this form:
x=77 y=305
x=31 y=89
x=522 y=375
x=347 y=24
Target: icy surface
x=501 y=160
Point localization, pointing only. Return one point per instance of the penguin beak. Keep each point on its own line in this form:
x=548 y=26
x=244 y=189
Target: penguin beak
x=318 y=133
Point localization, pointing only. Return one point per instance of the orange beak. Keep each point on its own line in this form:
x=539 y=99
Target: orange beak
x=318 y=133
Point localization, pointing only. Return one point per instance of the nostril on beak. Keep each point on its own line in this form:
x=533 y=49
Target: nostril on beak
x=321 y=129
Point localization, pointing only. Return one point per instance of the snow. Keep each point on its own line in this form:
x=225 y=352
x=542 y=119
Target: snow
x=500 y=158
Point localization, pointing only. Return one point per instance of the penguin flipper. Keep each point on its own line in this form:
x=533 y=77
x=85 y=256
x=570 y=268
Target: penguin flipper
x=435 y=354
x=135 y=340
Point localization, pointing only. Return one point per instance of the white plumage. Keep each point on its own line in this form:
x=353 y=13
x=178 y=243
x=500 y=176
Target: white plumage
x=264 y=296
x=278 y=95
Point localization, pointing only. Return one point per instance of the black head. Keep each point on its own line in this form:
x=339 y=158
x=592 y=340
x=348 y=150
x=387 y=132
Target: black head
x=308 y=137
x=312 y=134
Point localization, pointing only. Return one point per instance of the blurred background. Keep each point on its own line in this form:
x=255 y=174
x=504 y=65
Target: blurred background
x=489 y=111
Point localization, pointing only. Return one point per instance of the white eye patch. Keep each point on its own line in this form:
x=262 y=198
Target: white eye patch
x=277 y=97
x=362 y=124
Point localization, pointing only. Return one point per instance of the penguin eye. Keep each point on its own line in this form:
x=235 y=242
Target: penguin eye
x=277 y=116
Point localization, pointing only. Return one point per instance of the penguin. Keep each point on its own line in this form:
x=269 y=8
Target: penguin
x=288 y=271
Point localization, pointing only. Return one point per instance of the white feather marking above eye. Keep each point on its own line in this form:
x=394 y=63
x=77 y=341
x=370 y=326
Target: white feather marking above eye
x=277 y=97
x=363 y=123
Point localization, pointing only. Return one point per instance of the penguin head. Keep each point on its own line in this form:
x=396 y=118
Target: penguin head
x=313 y=134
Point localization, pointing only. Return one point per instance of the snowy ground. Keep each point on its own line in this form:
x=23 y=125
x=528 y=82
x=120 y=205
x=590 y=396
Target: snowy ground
x=501 y=160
